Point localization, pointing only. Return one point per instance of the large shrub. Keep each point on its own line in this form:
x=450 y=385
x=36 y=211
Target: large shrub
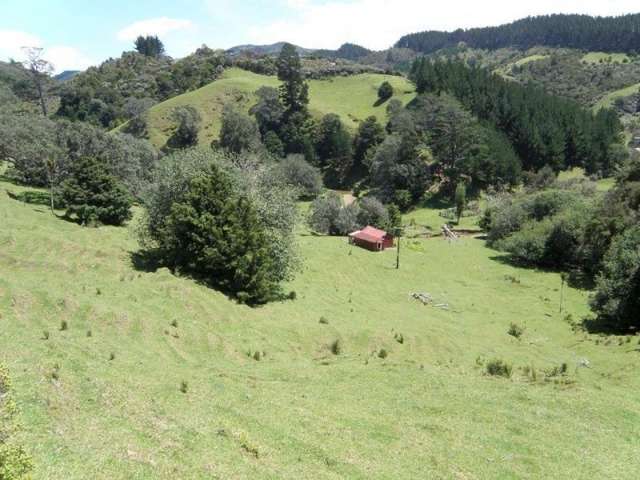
x=41 y=152
x=330 y=216
x=373 y=212
x=92 y=194
x=239 y=132
x=301 y=175
x=187 y=121
x=230 y=224
x=617 y=297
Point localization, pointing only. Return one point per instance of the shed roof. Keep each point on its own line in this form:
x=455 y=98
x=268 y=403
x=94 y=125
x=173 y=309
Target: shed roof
x=369 y=234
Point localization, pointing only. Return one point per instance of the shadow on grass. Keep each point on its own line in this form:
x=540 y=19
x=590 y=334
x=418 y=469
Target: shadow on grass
x=600 y=326
x=35 y=197
x=150 y=261
x=575 y=278
x=381 y=101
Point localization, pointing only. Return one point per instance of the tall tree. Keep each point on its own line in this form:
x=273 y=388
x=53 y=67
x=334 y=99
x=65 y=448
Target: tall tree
x=294 y=91
x=40 y=70
x=149 y=46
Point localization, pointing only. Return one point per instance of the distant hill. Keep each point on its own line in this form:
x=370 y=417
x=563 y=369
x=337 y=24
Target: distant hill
x=348 y=51
x=603 y=34
x=273 y=49
x=67 y=75
x=353 y=98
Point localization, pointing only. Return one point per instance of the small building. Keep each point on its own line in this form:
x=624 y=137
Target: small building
x=372 y=239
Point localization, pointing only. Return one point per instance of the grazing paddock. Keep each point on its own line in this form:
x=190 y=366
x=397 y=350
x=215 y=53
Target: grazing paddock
x=156 y=376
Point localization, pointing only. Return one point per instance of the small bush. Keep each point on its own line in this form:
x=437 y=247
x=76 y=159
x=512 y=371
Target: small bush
x=324 y=321
x=515 y=330
x=336 y=347
x=112 y=356
x=89 y=334
x=499 y=368
x=174 y=323
x=383 y=353
x=45 y=335
x=399 y=338
x=184 y=387
x=557 y=371
x=258 y=356
x=64 y=325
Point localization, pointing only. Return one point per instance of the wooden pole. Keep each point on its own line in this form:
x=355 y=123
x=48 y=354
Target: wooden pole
x=398 y=255
x=563 y=278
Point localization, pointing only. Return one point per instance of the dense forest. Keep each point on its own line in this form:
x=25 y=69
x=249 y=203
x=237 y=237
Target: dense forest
x=545 y=130
x=608 y=34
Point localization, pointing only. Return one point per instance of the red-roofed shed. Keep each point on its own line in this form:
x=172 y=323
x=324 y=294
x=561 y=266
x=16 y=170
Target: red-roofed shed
x=372 y=239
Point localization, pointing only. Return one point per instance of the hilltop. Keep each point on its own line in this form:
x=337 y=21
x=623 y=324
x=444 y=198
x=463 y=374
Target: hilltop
x=354 y=98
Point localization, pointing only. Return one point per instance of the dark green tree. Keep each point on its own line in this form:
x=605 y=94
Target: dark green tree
x=269 y=110
x=215 y=233
x=93 y=195
x=370 y=134
x=385 y=92
x=149 y=46
x=334 y=147
x=294 y=91
x=617 y=297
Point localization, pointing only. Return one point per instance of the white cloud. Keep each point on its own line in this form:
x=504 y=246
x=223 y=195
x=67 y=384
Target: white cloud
x=67 y=58
x=153 y=26
x=12 y=42
x=62 y=57
x=378 y=24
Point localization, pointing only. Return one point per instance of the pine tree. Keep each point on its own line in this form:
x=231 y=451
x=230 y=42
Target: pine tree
x=294 y=91
x=93 y=195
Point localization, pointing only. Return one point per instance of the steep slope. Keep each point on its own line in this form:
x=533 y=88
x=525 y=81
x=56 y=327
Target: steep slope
x=353 y=98
x=108 y=405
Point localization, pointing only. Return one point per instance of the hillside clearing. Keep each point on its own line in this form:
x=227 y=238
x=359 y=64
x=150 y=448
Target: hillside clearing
x=116 y=409
x=609 y=99
x=353 y=98
x=603 y=57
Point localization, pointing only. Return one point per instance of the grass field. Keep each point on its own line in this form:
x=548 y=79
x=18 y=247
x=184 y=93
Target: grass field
x=427 y=410
x=353 y=98
x=531 y=58
x=602 y=57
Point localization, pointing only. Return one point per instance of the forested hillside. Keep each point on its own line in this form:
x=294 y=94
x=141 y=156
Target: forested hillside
x=608 y=34
x=545 y=130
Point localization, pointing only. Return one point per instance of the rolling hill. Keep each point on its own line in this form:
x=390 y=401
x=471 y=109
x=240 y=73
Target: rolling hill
x=406 y=395
x=353 y=98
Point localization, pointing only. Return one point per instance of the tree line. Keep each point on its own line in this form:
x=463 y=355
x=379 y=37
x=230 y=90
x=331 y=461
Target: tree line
x=608 y=34
x=544 y=129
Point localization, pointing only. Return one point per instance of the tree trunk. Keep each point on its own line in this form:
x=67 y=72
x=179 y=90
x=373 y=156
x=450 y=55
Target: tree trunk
x=43 y=104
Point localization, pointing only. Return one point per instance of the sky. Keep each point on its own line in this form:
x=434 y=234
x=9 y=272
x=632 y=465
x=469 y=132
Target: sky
x=76 y=34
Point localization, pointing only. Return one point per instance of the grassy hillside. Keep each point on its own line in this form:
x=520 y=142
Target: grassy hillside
x=109 y=405
x=609 y=99
x=353 y=98
x=602 y=57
